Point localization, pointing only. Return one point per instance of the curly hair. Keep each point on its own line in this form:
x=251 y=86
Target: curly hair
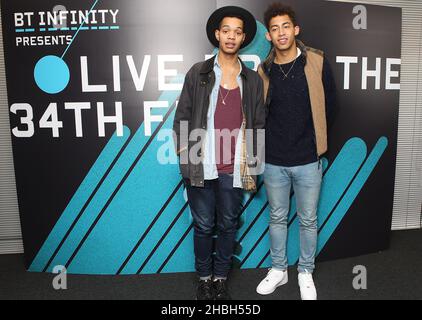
x=279 y=9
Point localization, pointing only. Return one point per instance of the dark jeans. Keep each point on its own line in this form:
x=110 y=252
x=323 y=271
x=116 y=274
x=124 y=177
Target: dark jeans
x=218 y=205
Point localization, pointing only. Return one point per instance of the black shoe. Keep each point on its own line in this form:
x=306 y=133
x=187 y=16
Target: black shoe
x=221 y=292
x=205 y=290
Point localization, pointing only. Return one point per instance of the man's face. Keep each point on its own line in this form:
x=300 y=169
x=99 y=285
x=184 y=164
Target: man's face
x=231 y=35
x=282 y=33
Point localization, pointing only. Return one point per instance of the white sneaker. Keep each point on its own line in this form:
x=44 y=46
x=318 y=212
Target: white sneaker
x=272 y=281
x=307 y=286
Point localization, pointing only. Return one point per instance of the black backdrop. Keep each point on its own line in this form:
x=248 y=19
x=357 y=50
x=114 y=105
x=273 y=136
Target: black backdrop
x=128 y=229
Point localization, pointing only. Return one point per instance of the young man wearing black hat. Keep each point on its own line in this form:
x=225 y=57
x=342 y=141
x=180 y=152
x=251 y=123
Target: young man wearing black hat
x=221 y=103
x=300 y=99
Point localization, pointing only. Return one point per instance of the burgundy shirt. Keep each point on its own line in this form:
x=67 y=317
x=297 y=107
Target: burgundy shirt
x=227 y=116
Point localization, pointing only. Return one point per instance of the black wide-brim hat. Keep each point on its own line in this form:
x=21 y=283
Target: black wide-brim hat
x=215 y=19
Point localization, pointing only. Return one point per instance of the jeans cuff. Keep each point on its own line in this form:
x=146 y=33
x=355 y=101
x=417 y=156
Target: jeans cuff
x=280 y=269
x=305 y=270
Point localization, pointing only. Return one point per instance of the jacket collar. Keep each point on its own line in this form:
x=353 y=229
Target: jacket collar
x=208 y=66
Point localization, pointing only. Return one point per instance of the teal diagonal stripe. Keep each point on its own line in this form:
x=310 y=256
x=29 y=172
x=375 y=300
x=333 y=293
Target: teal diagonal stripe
x=108 y=187
x=135 y=205
x=85 y=190
x=352 y=192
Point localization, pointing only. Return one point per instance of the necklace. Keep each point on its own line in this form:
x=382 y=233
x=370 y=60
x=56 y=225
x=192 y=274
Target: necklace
x=287 y=74
x=230 y=76
x=223 y=99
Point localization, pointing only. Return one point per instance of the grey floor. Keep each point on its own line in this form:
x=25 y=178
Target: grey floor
x=393 y=274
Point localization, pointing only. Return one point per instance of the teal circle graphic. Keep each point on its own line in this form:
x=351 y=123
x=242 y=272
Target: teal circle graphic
x=52 y=74
x=260 y=46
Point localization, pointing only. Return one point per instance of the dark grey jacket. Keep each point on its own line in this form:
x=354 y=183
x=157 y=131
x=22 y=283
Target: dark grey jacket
x=193 y=108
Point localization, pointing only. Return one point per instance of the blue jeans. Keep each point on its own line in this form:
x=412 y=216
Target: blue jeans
x=215 y=210
x=306 y=181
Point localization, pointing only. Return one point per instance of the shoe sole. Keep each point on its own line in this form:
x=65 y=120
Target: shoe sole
x=301 y=297
x=266 y=293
